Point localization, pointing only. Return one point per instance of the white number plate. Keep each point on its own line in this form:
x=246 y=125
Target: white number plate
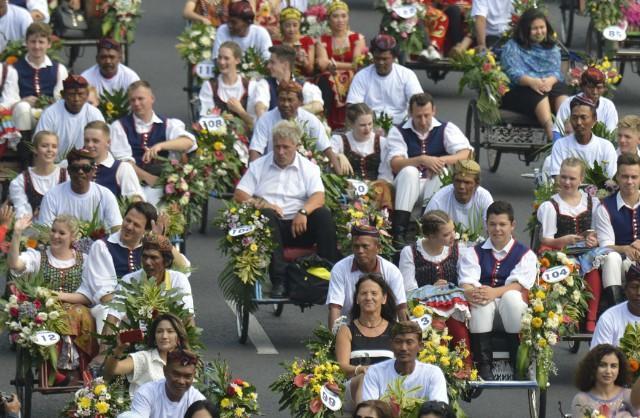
x=46 y=338
x=614 y=33
x=556 y=274
x=205 y=69
x=241 y=230
x=424 y=321
x=330 y=399
x=212 y=124
x=360 y=187
x=406 y=12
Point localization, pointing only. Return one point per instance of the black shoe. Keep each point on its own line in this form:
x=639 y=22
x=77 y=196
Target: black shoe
x=485 y=372
x=278 y=291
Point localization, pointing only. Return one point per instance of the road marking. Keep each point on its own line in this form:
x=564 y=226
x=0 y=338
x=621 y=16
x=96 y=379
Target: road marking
x=257 y=334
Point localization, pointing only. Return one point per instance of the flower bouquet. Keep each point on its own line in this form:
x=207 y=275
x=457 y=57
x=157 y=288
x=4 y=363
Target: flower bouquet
x=632 y=16
x=196 y=42
x=606 y=12
x=611 y=75
x=99 y=399
x=383 y=120
x=90 y=231
x=13 y=52
x=120 y=18
x=402 y=402
x=541 y=194
x=630 y=346
x=400 y=19
x=253 y=64
x=482 y=73
x=114 y=105
x=470 y=235
x=314 y=22
x=235 y=397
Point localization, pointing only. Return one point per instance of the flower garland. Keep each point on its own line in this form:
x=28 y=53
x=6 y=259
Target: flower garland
x=611 y=75
x=120 y=18
x=315 y=19
x=99 y=399
x=114 y=105
x=606 y=12
x=404 y=30
x=630 y=346
x=195 y=43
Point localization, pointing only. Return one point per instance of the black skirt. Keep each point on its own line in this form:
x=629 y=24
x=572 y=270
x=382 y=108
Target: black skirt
x=523 y=99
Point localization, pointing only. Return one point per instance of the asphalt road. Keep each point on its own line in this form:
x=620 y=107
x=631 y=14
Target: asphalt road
x=154 y=57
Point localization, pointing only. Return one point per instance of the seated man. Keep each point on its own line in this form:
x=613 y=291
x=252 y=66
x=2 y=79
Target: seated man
x=109 y=74
x=406 y=343
x=384 y=85
x=419 y=151
x=288 y=189
x=117 y=176
x=14 y=21
x=493 y=275
x=171 y=396
x=68 y=117
x=582 y=143
x=629 y=135
x=365 y=243
x=611 y=325
x=492 y=18
x=241 y=30
x=616 y=222
x=142 y=136
x=593 y=86
x=289 y=108
x=81 y=197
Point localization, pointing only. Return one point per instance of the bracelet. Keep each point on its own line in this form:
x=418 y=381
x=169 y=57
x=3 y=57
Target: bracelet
x=355 y=373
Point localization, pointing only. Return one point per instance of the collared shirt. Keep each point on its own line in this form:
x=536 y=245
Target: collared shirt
x=548 y=217
x=41 y=184
x=469 y=266
x=11 y=90
x=342 y=285
x=120 y=147
x=602 y=222
x=13 y=25
x=472 y=214
x=262 y=139
x=123 y=77
x=289 y=187
x=126 y=177
x=597 y=150
x=148 y=366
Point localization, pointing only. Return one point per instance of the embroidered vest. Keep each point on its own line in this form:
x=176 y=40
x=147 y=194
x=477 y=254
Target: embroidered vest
x=106 y=176
x=36 y=82
x=567 y=224
x=273 y=90
x=217 y=101
x=428 y=272
x=35 y=198
x=433 y=145
x=494 y=273
x=624 y=221
x=62 y=280
x=125 y=261
x=363 y=167
x=140 y=142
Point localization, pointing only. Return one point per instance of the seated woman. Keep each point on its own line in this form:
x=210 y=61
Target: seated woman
x=337 y=57
x=431 y=261
x=567 y=219
x=373 y=409
x=165 y=334
x=629 y=135
x=61 y=268
x=230 y=91
x=27 y=189
x=372 y=316
x=210 y=12
x=603 y=377
x=290 y=20
x=531 y=60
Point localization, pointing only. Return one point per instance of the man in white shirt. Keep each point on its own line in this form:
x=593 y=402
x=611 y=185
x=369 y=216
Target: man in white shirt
x=109 y=74
x=593 y=86
x=117 y=176
x=582 y=143
x=68 y=117
x=612 y=323
x=365 y=245
x=241 y=30
x=289 y=108
x=142 y=136
x=39 y=9
x=384 y=85
x=493 y=274
x=171 y=396
x=617 y=225
x=492 y=18
x=406 y=343
x=14 y=21
x=288 y=189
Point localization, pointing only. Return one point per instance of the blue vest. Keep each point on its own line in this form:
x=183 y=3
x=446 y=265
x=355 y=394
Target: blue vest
x=106 y=176
x=36 y=82
x=158 y=134
x=125 y=261
x=273 y=90
x=494 y=273
x=624 y=221
x=432 y=146
x=21 y=3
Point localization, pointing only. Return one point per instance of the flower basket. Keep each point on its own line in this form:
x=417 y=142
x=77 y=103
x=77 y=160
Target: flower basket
x=99 y=399
x=236 y=398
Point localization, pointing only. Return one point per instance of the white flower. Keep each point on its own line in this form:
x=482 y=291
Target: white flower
x=569 y=280
x=42 y=316
x=173 y=178
x=552 y=338
x=50 y=302
x=560 y=289
x=183 y=185
x=184 y=200
x=13 y=299
x=575 y=296
x=311 y=20
x=206 y=54
x=221 y=172
x=54 y=315
x=526 y=319
x=205 y=41
x=42 y=292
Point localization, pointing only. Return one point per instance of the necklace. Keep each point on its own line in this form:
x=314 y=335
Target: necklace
x=369 y=326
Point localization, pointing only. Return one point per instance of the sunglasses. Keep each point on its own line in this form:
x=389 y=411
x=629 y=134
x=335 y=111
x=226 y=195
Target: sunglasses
x=86 y=168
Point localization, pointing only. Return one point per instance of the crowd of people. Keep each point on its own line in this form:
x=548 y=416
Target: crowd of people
x=78 y=169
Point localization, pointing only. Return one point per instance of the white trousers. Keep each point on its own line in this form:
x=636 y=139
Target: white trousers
x=99 y=313
x=409 y=187
x=23 y=116
x=510 y=307
x=614 y=269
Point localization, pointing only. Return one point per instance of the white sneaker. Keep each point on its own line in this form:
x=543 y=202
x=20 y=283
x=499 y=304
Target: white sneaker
x=433 y=53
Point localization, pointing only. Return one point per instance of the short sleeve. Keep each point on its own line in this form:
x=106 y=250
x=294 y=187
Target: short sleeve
x=370 y=386
x=206 y=98
x=336 y=144
x=313 y=181
x=320 y=133
x=261 y=132
x=557 y=155
x=358 y=88
x=336 y=294
x=455 y=140
x=437 y=386
x=412 y=86
x=46 y=214
x=249 y=181
x=176 y=128
x=562 y=117
x=604 y=332
x=258 y=93
x=525 y=271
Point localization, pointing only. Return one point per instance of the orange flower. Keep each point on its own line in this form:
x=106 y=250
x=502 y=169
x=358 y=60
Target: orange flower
x=544 y=262
x=634 y=365
x=11 y=59
x=32 y=243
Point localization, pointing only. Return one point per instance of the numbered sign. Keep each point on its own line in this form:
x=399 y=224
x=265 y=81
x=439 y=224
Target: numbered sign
x=424 y=321
x=360 y=187
x=241 y=230
x=556 y=274
x=406 y=12
x=46 y=338
x=614 y=33
x=213 y=124
x=330 y=399
x=205 y=69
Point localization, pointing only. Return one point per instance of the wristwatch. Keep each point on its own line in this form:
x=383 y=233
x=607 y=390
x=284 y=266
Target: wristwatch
x=304 y=212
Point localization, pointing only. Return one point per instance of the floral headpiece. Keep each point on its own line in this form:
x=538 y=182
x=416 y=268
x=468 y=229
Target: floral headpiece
x=290 y=13
x=337 y=5
x=592 y=75
x=158 y=242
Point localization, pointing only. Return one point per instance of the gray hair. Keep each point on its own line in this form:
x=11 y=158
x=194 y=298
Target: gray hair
x=286 y=129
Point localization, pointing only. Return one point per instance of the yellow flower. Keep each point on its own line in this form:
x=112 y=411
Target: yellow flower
x=539 y=307
x=445 y=361
x=458 y=363
x=218 y=146
x=239 y=412
x=100 y=389
x=542 y=343
x=317 y=388
x=225 y=402
x=471 y=52
x=109 y=106
x=442 y=350
x=606 y=64
x=257 y=213
x=330 y=377
x=430 y=358
x=102 y=407
x=358 y=215
x=84 y=402
x=491 y=59
x=233 y=210
x=536 y=322
x=253 y=247
x=474 y=374
x=418 y=311
x=540 y=295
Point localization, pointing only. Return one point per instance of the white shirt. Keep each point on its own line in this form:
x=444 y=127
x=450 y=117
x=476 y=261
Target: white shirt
x=40 y=5
x=257 y=37
x=606 y=113
x=32 y=259
x=310 y=92
x=407 y=264
x=366 y=148
x=262 y=139
x=68 y=127
x=602 y=222
x=342 y=284
x=151 y=401
x=548 y=218
x=469 y=266
x=120 y=147
x=430 y=379
x=62 y=200
x=147 y=367
x=14 y=24
x=126 y=177
x=288 y=187
x=41 y=184
x=467 y=214
x=257 y=93
x=120 y=81
x=61 y=76
x=497 y=12
x=10 y=90
x=611 y=325
x=598 y=149
x=389 y=94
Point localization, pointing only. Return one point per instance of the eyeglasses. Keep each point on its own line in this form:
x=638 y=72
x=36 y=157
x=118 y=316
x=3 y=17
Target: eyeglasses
x=86 y=168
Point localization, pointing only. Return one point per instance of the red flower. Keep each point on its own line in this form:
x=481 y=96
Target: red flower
x=21 y=297
x=395 y=408
x=37 y=304
x=238 y=382
x=315 y=405
x=14 y=312
x=98 y=234
x=37 y=320
x=300 y=380
x=219 y=155
x=486 y=67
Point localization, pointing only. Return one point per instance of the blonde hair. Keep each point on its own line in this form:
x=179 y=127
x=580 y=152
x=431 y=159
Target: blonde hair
x=433 y=220
x=574 y=162
x=72 y=223
x=631 y=122
x=286 y=129
x=40 y=136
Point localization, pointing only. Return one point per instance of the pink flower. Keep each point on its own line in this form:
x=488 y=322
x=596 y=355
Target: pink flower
x=174 y=162
x=315 y=406
x=502 y=89
x=37 y=304
x=300 y=380
x=14 y=312
x=404 y=35
x=38 y=320
x=170 y=188
x=486 y=67
x=319 y=11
